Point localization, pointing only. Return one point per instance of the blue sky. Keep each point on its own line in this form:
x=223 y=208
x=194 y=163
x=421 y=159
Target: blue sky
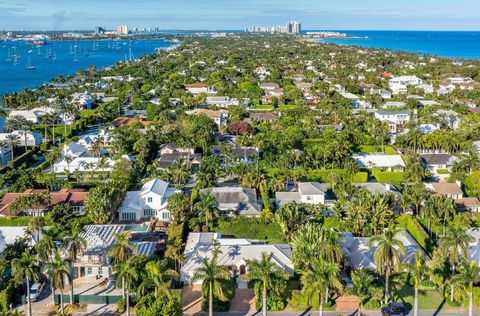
x=236 y=14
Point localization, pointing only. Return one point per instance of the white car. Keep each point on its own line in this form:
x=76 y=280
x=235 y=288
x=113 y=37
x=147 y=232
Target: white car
x=35 y=291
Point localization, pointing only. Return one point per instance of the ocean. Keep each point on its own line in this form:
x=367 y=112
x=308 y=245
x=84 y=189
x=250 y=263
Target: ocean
x=446 y=44
x=64 y=58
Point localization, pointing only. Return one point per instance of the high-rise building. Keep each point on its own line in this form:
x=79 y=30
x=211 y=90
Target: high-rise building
x=296 y=27
x=99 y=30
x=123 y=29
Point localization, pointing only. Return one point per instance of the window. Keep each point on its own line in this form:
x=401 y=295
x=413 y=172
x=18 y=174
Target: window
x=89 y=270
x=149 y=212
x=129 y=216
x=100 y=270
x=166 y=215
x=149 y=199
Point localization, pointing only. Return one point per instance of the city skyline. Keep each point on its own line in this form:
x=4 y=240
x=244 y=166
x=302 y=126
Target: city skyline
x=236 y=14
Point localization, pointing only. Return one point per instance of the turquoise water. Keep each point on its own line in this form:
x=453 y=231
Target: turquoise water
x=99 y=53
x=446 y=44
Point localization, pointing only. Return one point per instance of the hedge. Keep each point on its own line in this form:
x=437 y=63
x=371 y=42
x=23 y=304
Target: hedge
x=20 y=160
x=443 y=171
x=321 y=175
x=300 y=300
x=418 y=233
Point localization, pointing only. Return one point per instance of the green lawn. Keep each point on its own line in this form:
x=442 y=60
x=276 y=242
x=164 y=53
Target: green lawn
x=252 y=228
x=427 y=300
x=395 y=178
x=389 y=150
x=15 y=220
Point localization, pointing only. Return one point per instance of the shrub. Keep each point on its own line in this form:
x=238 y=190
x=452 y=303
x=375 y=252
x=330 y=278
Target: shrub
x=121 y=305
x=276 y=295
x=6 y=296
x=443 y=171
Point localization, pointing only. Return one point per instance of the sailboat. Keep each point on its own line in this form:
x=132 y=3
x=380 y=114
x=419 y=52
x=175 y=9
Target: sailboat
x=86 y=53
x=15 y=60
x=76 y=59
x=30 y=66
x=54 y=56
x=94 y=48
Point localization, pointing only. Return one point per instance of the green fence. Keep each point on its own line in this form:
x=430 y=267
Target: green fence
x=89 y=299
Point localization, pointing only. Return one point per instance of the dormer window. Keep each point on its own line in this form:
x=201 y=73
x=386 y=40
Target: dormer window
x=149 y=199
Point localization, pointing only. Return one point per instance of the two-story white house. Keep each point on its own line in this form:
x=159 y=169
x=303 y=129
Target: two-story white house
x=150 y=201
x=309 y=193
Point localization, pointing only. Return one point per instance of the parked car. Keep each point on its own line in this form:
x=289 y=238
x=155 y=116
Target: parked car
x=35 y=291
x=394 y=309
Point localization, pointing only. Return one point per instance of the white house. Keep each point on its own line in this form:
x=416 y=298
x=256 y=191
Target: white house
x=96 y=164
x=395 y=119
x=358 y=254
x=95 y=261
x=308 y=192
x=381 y=161
x=234 y=254
x=393 y=104
x=222 y=101
x=406 y=80
x=197 y=88
x=150 y=201
x=33 y=138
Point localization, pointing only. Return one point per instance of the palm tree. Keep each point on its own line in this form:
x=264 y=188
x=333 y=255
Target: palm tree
x=265 y=271
x=454 y=246
x=180 y=171
x=212 y=277
x=419 y=272
x=467 y=276
x=319 y=280
x=35 y=226
x=58 y=270
x=127 y=273
x=160 y=277
x=122 y=249
x=13 y=140
x=25 y=267
x=207 y=207
x=387 y=254
x=19 y=123
x=74 y=245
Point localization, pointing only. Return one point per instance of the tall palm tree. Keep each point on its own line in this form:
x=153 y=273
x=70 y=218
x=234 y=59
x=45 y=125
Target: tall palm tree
x=35 y=227
x=212 y=277
x=21 y=124
x=387 y=254
x=265 y=271
x=419 y=272
x=127 y=273
x=467 y=276
x=160 y=277
x=58 y=270
x=207 y=207
x=319 y=280
x=13 y=140
x=74 y=245
x=122 y=249
x=453 y=247
x=25 y=267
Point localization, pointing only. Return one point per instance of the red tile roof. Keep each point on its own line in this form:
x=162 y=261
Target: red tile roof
x=73 y=197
